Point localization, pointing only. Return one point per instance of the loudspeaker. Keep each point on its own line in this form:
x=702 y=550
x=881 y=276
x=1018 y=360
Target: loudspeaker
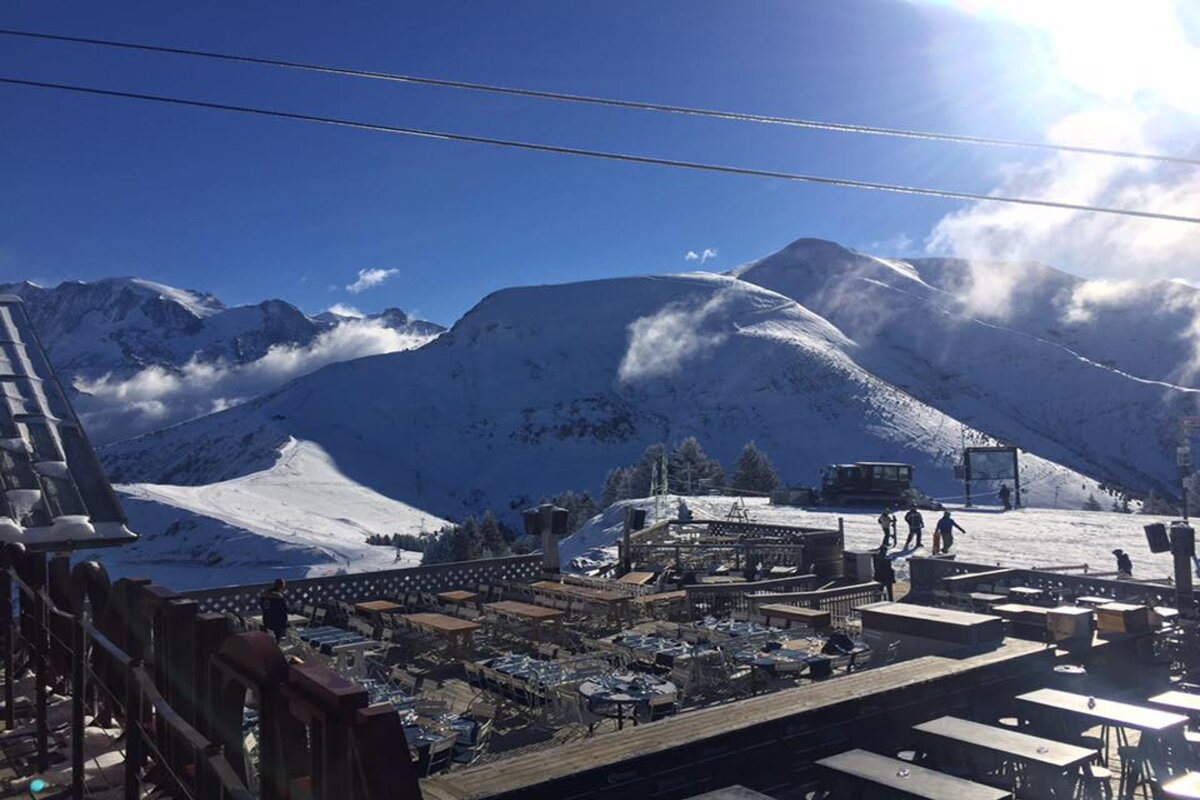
x=559 y=519
x=635 y=518
x=1156 y=538
x=533 y=521
x=1183 y=540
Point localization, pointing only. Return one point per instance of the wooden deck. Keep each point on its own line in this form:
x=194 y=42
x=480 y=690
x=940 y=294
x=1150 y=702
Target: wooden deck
x=765 y=742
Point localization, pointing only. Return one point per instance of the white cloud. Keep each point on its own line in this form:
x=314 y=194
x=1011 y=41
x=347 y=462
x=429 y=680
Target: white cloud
x=703 y=256
x=1089 y=296
x=343 y=310
x=115 y=408
x=1133 y=68
x=369 y=279
x=660 y=343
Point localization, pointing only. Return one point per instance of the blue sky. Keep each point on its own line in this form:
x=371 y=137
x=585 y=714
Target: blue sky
x=252 y=208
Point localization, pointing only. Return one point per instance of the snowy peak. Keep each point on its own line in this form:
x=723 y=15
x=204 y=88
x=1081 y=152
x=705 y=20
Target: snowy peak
x=141 y=354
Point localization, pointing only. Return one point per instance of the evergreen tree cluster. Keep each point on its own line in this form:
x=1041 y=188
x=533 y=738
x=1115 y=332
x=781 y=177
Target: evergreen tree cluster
x=753 y=471
x=690 y=471
x=469 y=540
x=403 y=541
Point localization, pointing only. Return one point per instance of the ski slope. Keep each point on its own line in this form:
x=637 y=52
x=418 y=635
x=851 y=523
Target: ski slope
x=300 y=518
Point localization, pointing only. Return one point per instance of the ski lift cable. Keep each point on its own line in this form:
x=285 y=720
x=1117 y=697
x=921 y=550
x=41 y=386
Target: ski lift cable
x=602 y=154
x=664 y=108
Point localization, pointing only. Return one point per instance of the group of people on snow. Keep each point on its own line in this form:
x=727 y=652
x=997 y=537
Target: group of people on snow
x=943 y=530
x=943 y=540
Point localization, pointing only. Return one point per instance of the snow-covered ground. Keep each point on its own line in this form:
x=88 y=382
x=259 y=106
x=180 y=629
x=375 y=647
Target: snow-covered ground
x=300 y=518
x=1033 y=537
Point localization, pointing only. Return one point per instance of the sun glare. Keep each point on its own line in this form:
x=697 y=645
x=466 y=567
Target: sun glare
x=1115 y=50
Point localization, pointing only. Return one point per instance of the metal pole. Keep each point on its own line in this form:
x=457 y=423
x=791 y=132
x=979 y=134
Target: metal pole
x=41 y=643
x=967 y=478
x=9 y=631
x=133 y=734
x=1016 y=479
x=78 y=656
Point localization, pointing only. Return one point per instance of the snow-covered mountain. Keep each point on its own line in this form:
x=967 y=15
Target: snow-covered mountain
x=140 y=355
x=1094 y=375
x=542 y=389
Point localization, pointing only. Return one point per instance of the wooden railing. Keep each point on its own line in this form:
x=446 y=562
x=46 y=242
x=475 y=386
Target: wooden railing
x=927 y=576
x=357 y=587
x=839 y=601
x=175 y=679
x=726 y=598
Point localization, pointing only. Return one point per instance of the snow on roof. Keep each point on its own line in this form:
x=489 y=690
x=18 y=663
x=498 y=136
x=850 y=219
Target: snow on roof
x=53 y=493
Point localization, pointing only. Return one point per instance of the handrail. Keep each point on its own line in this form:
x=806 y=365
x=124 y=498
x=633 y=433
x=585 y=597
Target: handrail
x=208 y=755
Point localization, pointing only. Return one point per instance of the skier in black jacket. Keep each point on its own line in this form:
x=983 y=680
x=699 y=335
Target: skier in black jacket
x=916 y=524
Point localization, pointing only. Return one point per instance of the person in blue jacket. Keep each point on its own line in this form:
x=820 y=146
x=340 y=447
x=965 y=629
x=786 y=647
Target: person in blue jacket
x=943 y=534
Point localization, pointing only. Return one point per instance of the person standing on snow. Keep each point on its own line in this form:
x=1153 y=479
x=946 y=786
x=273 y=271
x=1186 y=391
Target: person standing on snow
x=916 y=524
x=888 y=523
x=1005 y=496
x=943 y=534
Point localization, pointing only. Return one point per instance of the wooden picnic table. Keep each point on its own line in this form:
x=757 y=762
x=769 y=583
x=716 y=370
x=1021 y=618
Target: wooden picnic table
x=1025 y=593
x=1124 y=715
x=1053 y=762
x=456 y=631
x=457 y=596
x=860 y=768
x=636 y=578
x=538 y=615
x=614 y=603
x=813 y=617
x=372 y=607
x=1182 y=787
x=1181 y=702
x=661 y=597
x=1092 y=602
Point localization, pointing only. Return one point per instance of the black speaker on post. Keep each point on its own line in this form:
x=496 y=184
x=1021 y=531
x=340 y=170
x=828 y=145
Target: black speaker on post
x=533 y=521
x=1183 y=540
x=1156 y=538
x=635 y=518
x=559 y=519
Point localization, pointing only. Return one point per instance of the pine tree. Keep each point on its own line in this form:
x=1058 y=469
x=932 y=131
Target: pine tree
x=753 y=471
x=491 y=536
x=1092 y=504
x=691 y=470
x=616 y=484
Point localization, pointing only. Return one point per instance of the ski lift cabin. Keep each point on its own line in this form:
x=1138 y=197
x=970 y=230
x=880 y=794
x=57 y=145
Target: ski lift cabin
x=866 y=483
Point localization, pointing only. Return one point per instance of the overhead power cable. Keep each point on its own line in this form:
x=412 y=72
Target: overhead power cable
x=738 y=116
x=600 y=154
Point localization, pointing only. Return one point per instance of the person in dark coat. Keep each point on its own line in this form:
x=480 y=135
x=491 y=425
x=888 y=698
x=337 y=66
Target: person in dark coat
x=885 y=573
x=1124 y=564
x=1006 y=496
x=943 y=533
x=916 y=524
x=273 y=603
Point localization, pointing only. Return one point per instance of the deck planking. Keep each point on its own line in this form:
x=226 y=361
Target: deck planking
x=609 y=752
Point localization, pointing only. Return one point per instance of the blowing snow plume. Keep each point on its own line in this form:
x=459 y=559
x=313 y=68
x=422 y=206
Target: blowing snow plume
x=660 y=344
x=1132 y=68
x=157 y=396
